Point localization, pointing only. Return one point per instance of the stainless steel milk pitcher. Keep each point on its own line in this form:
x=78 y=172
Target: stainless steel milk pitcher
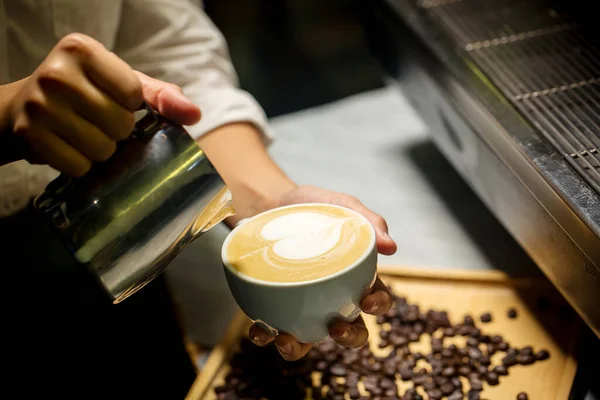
x=128 y=217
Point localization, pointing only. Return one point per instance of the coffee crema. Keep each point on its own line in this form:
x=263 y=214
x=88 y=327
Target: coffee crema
x=299 y=243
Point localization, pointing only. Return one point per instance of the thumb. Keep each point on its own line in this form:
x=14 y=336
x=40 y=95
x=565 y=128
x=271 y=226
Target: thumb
x=385 y=244
x=169 y=100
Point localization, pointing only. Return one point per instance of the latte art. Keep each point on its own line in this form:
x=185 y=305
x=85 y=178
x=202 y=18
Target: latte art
x=300 y=243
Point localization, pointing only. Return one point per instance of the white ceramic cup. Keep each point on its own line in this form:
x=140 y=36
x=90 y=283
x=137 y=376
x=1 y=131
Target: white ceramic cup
x=304 y=309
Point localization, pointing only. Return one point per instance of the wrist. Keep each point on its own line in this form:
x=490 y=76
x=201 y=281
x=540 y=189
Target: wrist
x=256 y=182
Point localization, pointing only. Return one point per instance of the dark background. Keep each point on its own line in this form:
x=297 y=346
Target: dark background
x=294 y=54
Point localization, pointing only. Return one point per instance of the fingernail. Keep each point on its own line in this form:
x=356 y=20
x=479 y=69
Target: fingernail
x=286 y=349
x=345 y=335
x=376 y=306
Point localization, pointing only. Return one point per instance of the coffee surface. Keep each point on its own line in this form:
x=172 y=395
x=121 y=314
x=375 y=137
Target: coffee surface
x=299 y=243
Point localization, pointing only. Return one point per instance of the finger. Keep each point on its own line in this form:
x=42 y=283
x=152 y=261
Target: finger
x=76 y=131
x=64 y=82
x=385 y=244
x=57 y=153
x=169 y=100
x=259 y=337
x=107 y=71
x=111 y=118
x=379 y=301
x=289 y=348
x=350 y=335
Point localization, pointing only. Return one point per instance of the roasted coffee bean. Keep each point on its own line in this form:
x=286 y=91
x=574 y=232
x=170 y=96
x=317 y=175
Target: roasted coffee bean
x=475 y=332
x=375 y=391
x=383 y=344
x=398 y=341
x=469 y=321
x=221 y=389
x=414 y=337
x=228 y=395
x=456 y=396
x=492 y=378
x=474 y=353
x=502 y=346
x=406 y=374
x=490 y=349
x=522 y=396
x=418 y=356
x=439 y=380
x=449 y=332
x=321 y=366
x=464 y=370
x=418 y=380
x=380 y=319
x=542 y=355
x=447 y=388
x=476 y=384
x=473 y=394
x=338 y=370
x=496 y=339
x=482 y=370
x=449 y=372
x=526 y=359
x=437 y=370
x=446 y=353
x=384 y=334
x=435 y=394
x=527 y=351
x=485 y=339
x=485 y=360
x=388 y=384
x=464 y=330
x=486 y=317
x=429 y=385
x=389 y=370
x=512 y=313
x=510 y=360
x=472 y=342
x=456 y=383
x=354 y=394
x=500 y=370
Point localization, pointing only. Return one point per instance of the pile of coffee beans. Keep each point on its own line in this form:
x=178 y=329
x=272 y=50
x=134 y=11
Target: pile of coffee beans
x=457 y=365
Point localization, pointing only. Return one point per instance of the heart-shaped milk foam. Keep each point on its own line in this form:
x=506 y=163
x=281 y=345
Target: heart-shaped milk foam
x=303 y=235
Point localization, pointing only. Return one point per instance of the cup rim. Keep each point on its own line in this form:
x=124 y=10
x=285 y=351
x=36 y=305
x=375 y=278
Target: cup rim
x=359 y=261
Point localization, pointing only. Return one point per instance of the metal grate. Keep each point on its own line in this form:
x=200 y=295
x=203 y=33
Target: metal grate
x=541 y=61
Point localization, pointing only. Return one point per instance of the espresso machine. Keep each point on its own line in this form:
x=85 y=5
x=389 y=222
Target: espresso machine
x=511 y=92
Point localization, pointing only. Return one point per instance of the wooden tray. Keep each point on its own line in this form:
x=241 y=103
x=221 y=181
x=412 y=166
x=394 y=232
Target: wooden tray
x=463 y=292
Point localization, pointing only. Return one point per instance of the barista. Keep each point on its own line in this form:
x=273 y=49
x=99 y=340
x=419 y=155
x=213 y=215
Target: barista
x=66 y=100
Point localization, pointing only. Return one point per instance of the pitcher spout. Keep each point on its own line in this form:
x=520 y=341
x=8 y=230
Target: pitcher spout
x=215 y=212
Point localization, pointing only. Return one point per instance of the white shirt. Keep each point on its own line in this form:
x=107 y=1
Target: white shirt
x=171 y=40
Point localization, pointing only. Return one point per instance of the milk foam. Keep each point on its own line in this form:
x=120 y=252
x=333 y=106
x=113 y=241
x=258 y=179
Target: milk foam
x=299 y=243
x=303 y=235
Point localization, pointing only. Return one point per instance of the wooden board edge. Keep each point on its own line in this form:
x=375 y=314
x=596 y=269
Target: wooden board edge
x=465 y=275
x=217 y=358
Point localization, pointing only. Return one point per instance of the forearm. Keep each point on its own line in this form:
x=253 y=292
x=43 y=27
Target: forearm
x=254 y=179
x=8 y=146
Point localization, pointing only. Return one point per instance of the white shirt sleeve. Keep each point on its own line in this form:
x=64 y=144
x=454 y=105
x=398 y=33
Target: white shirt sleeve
x=175 y=41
